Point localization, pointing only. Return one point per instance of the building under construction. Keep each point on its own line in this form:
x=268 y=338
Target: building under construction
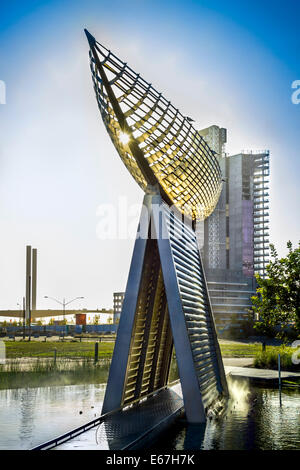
x=236 y=235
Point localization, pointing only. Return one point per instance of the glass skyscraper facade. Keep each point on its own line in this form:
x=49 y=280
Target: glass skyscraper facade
x=236 y=238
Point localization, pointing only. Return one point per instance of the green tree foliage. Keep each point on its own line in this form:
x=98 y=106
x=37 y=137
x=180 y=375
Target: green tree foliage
x=278 y=300
x=239 y=327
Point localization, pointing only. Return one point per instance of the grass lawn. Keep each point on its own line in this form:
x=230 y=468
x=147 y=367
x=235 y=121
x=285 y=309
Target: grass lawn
x=239 y=350
x=20 y=349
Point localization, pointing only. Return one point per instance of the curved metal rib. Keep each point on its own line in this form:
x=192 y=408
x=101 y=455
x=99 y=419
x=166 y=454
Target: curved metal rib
x=163 y=147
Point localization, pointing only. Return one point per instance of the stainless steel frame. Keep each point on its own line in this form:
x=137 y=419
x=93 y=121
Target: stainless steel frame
x=166 y=302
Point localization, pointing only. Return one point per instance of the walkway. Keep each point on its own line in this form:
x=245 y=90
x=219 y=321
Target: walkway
x=265 y=376
x=131 y=428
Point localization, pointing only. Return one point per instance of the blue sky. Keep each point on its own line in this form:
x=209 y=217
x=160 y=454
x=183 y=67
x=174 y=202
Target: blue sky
x=225 y=63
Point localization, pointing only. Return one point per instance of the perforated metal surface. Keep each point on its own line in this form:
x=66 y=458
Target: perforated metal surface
x=196 y=306
x=151 y=345
x=128 y=425
x=126 y=428
x=155 y=141
x=166 y=302
x=166 y=293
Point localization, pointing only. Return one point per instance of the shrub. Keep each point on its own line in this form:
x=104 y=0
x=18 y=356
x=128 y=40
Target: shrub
x=268 y=359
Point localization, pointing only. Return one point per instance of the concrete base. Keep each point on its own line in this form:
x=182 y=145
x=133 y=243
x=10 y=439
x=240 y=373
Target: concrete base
x=260 y=376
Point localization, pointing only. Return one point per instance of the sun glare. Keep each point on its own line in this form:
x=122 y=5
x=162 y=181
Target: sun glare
x=124 y=138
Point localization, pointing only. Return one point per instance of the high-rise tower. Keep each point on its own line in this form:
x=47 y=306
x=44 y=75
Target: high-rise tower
x=235 y=239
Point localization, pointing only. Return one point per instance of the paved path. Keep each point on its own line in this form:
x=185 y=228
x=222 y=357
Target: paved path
x=260 y=375
x=238 y=361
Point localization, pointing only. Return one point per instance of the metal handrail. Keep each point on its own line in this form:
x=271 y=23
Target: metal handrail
x=70 y=434
x=95 y=422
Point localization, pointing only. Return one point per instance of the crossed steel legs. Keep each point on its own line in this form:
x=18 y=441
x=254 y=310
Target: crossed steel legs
x=166 y=303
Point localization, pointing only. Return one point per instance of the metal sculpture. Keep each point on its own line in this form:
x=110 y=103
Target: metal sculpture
x=166 y=301
x=155 y=141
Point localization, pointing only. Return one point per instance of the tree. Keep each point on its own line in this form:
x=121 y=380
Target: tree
x=278 y=296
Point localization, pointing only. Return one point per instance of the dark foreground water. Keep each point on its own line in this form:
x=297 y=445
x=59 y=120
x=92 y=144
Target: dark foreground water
x=253 y=420
x=248 y=424
x=31 y=416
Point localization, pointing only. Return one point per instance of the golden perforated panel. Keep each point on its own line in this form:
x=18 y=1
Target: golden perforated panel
x=151 y=342
x=183 y=163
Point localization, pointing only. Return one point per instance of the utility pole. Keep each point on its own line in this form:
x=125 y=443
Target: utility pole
x=34 y=279
x=64 y=309
x=29 y=317
x=31 y=274
x=28 y=280
x=24 y=318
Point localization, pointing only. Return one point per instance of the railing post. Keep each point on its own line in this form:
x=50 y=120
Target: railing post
x=96 y=351
x=279 y=379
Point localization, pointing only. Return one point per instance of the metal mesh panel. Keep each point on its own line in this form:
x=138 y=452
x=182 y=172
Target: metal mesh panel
x=181 y=161
x=151 y=344
x=196 y=306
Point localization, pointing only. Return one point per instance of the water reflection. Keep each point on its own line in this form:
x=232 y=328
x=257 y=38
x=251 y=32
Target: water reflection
x=31 y=416
x=27 y=413
x=253 y=420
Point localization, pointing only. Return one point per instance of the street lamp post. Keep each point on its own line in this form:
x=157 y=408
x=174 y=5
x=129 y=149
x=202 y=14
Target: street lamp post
x=24 y=318
x=63 y=303
x=23 y=308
